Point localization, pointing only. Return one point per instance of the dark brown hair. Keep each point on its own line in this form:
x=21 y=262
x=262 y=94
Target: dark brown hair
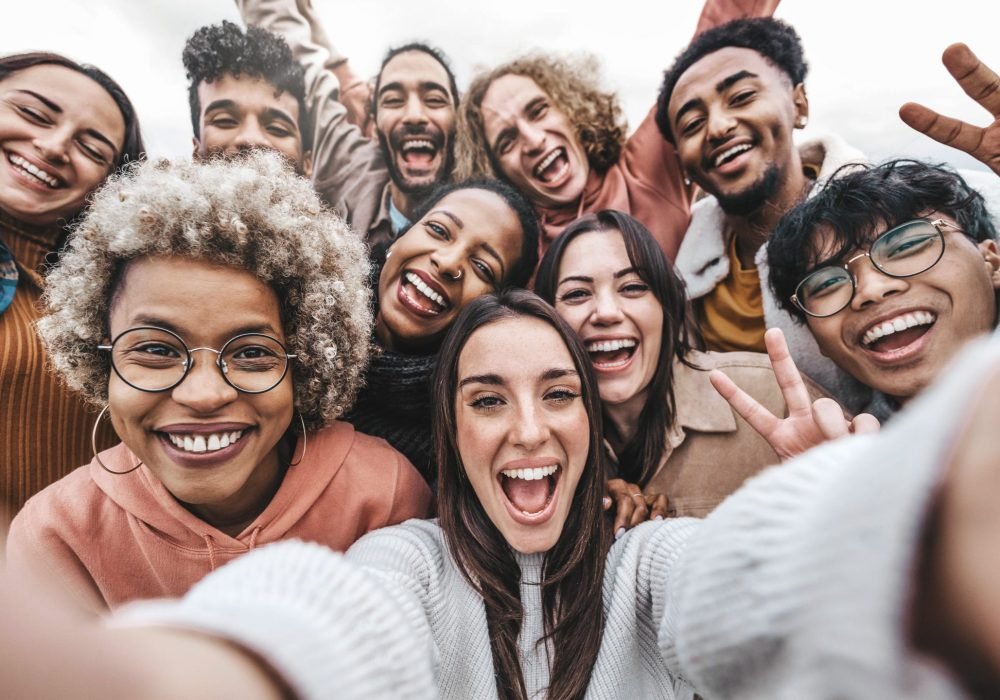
x=641 y=456
x=573 y=572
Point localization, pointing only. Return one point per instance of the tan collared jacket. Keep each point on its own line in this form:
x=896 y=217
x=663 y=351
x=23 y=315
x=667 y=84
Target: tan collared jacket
x=710 y=450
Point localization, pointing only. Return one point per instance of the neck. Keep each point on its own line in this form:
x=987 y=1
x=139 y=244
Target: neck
x=624 y=418
x=753 y=230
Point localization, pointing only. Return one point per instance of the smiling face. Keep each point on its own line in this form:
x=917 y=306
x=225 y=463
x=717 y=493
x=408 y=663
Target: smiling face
x=602 y=297
x=415 y=120
x=241 y=113
x=60 y=136
x=521 y=429
x=732 y=114
x=210 y=305
x=462 y=249
x=533 y=142
x=897 y=334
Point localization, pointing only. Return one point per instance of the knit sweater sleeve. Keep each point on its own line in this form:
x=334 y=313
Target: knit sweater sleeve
x=799 y=584
x=325 y=625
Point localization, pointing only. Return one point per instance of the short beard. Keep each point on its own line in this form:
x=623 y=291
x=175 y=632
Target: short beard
x=417 y=192
x=753 y=197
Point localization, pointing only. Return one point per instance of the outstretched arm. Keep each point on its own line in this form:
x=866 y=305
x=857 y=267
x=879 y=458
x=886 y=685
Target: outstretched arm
x=981 y=84
x=808 y=424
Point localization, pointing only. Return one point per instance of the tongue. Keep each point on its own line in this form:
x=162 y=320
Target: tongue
x=418 y=158
x=609 y=357
x=554 y=168
x=899 y=339
x=527 y=496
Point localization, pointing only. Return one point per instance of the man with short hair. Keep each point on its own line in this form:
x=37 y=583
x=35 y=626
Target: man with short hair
x=413 y=110
x=730 y=103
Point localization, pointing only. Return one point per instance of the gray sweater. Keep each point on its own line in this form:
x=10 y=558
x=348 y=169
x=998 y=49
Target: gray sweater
x=795 y=587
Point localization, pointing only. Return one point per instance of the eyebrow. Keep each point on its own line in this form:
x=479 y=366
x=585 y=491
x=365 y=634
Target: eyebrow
x=265 y=328
x=497 y=380
x=720 y=87
x=590 y=280
x=423 y=86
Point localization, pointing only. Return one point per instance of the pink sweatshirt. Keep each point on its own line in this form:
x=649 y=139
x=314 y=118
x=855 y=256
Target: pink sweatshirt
x=111 y=538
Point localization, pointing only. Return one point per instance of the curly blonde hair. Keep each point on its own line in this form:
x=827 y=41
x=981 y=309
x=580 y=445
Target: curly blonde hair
x=252 y=212
x=572 y=84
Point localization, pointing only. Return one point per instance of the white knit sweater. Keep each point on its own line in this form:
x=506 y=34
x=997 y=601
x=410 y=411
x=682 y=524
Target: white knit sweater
x=795 y=587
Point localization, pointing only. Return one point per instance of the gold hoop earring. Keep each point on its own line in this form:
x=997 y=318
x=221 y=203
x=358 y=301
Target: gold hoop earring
x=305 y=441
x=93 y=446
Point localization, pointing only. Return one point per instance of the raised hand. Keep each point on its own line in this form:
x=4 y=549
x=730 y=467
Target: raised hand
x=808 y=424
x=981 y=84
x=632 y=507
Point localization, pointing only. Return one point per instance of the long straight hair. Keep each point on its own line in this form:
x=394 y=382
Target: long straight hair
x=641 y=456
x=573 y=572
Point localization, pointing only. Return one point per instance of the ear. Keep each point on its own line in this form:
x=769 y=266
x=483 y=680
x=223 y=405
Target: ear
x=307 y=164
x=991 y=255
x=801 y=101
x=195 y=148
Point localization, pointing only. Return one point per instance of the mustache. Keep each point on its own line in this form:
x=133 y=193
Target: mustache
x=405 y=132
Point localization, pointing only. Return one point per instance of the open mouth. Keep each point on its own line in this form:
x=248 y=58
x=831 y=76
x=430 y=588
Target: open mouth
x=731 y=154
x=553 y=166
x=418 y=153
x=212 y=442
x=611 y=354
x=32 y=172
x=530 y=491
x=419 y=296
x=898 y=332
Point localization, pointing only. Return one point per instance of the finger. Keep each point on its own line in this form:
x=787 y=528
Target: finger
x=759 y=418
x=657 y=506
x=865 y=423
x=829 y=417
x=977 y=79
x=947 y=130
x=641 y=512
x=793 y=389
x=624 y=505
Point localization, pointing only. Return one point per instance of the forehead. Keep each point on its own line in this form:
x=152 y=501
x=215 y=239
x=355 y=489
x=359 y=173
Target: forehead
x=411 y=68
x=516 y=349
x=701 y=79
x=506 y=97
x=248 y=94
x=486 y=218
x=595 y=254
x=76 y=94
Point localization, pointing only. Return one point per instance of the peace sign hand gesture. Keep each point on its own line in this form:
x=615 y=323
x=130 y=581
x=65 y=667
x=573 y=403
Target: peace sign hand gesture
x=808 y=424
x=981 y=84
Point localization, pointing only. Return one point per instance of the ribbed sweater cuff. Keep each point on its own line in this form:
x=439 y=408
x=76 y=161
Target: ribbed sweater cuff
x=322 y=624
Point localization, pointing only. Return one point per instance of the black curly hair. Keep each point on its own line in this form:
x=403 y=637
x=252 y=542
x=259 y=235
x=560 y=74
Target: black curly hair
x=773 y=39
x=856 y=205
x=225 y=49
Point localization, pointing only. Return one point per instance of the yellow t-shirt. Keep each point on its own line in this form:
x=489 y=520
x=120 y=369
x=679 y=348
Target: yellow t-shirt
x=732 y=314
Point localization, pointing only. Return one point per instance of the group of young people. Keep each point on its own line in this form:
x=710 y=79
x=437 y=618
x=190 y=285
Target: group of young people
x=319 y=326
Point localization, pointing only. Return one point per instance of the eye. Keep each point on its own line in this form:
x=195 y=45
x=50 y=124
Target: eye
x=484 y=271
x=223 y=122
x=742 y=96
x=486 y=403
x=33 y=114
x=93 y=153
x=634 y=289
x=561 y=395
x=574 y=296
x=539 y=110
x=437 y=230
x=279 y=130
x=504 y=145
x=691 y=126
x=391 y=101
x=436 y=101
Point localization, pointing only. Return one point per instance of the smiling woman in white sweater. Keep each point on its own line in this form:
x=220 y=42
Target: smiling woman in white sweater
x=802 y=585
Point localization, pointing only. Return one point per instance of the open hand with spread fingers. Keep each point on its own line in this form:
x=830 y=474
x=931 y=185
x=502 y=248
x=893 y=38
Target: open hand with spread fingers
x=981 y=84
x=808 y=424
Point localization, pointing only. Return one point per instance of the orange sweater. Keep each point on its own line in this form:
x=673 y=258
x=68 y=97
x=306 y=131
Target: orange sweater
x=113 y=538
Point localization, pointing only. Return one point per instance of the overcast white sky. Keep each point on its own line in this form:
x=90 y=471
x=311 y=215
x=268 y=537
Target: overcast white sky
x=866 y=56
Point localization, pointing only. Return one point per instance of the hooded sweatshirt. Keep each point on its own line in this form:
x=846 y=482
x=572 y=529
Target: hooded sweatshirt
x=114 y=538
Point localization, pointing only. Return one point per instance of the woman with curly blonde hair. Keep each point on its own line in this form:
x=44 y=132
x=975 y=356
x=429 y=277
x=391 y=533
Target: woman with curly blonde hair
x=543 y=124
x=220 y=316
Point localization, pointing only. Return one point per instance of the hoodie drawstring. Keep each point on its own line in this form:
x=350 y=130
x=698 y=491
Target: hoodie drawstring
x=253 y=537
x=211 y=551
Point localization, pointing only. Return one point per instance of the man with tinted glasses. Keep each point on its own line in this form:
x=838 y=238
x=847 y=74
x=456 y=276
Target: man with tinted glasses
x=892 y=268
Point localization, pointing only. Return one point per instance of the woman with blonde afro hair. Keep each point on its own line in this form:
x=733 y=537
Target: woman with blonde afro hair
x=220 y=316
x=543 y=124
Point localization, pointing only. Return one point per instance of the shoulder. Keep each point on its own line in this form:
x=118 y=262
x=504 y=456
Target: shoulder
x=414 y=549
x=68 y=504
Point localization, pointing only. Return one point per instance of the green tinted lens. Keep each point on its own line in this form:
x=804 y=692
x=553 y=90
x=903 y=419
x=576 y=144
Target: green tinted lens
x=254 y=362
x=825 y=291
x=908 y=249
x=149 y=358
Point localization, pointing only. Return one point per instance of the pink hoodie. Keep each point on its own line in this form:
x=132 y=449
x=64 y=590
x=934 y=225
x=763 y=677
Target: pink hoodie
x=114 y=538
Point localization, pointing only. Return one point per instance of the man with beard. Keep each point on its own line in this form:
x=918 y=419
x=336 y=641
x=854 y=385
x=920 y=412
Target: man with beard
x=374 y=184
x=730 y=103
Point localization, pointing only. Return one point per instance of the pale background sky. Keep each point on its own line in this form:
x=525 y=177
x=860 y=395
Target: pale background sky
x=866 y=56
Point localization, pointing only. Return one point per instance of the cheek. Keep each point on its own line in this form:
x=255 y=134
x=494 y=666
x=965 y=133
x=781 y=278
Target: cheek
x=128 y=407
x=575 y=316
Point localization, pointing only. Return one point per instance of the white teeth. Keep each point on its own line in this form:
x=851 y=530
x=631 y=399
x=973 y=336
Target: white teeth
x=731 y=153
x=547 y=161
x=203 y=443
x=419 y=143
x=30 y=169
x=610 y=345
x=899 y=323
x=531 y=474
x=424 y=289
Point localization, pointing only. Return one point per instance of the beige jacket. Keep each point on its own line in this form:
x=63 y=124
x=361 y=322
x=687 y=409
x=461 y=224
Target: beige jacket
x=710 y=450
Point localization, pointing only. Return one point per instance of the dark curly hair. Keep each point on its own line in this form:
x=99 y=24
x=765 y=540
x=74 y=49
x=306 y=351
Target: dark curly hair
x=856 y=205
x=773 y=39
x=225 y=49
x=418 y=47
